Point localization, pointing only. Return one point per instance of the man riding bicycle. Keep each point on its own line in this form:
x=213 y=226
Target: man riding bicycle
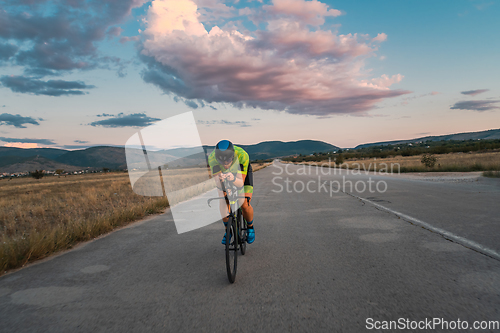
x=231 y=163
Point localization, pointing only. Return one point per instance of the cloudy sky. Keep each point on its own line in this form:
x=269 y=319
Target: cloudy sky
x=80 y=73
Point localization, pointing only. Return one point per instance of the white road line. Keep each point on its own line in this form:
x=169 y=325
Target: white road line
x=446 y=234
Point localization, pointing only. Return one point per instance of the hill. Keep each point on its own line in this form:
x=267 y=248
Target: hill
x=96 y=157
x=51 y=153
x=8 y=160
x=267 y=149
x=483 y=135
x=272 y=149
x=14 y=160
x=30 y=164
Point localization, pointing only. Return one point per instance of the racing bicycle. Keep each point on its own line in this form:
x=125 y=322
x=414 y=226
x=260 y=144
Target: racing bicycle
x=236 y=230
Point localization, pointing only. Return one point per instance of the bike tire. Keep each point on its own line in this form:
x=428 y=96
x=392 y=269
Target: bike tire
x=231 y=249
x=243 y=233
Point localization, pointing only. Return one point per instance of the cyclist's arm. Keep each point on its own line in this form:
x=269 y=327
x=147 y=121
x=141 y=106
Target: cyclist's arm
x=244 y=161
x=242 y=173
x=240 y=180
x=216 y=174
x=237 y=179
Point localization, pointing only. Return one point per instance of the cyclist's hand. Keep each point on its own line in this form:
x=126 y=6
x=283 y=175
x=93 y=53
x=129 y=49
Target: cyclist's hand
x=221 y=177
x=227 y=176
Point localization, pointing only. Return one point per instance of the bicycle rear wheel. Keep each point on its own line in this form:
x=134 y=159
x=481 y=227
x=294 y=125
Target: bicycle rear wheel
x=242 y=230
x=231 y=249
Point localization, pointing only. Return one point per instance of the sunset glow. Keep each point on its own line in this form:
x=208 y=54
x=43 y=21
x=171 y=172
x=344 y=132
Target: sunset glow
x=22 y=145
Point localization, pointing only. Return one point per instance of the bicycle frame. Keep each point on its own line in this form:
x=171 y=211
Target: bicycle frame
x=234 y=228
x=232 y=197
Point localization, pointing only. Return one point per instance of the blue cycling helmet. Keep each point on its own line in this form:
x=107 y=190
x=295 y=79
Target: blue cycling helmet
x=224 y=152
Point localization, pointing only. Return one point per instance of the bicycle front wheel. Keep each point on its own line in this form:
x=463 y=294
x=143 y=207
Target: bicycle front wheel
x=231 y=249
x=243 y=233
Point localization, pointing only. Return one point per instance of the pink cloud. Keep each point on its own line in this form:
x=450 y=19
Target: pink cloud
x=286 y=67
x=380 y=38
x=310 y=12
x=291 y=38
x=212 y=10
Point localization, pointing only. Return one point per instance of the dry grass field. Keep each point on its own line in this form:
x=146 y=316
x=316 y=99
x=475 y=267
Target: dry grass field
x=258 y=166
x=453 y=162
x=41 y=216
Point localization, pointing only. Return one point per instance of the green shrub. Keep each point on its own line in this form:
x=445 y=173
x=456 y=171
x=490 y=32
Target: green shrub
x=429 y=160
x=339 y=159
x=37 y=174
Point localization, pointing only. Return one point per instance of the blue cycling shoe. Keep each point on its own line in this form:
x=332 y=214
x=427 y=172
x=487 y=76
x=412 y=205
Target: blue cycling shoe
x=251 y=236
x=224 y=239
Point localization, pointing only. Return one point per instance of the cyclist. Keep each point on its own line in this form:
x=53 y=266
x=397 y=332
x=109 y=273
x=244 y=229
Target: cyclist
x=231 y=162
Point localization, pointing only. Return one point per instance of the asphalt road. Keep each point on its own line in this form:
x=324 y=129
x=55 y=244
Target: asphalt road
x=322 y=262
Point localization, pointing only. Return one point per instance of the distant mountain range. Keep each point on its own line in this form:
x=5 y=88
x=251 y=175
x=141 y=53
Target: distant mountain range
x=272 y=149
x=483 y=135
x=15 y=160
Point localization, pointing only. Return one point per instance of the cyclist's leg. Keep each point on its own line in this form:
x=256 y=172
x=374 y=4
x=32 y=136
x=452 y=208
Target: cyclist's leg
x=246 y=208
x=223 y=207
x=247 y=211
